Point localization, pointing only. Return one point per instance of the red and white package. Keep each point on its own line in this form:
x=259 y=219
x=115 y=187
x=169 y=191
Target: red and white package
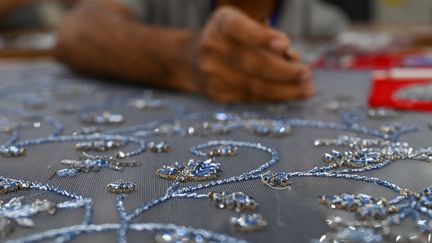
x=402 y=88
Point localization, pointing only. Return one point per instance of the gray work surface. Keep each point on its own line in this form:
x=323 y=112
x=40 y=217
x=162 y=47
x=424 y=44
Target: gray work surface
x=293 y=215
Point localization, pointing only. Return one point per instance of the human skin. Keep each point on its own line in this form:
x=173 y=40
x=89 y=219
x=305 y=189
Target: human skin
x=234 y=58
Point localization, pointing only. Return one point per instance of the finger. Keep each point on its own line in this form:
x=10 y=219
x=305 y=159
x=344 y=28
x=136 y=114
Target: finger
x=216 y=89
x=265 y=64
x=268 y=66
x=275 y=92
x=292 y=55
x=241 y=28
x=229 y=85
x=214 y=67
x=310 y=88
x=223 y=83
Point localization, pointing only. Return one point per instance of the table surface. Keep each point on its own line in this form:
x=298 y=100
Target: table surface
x=293 y=215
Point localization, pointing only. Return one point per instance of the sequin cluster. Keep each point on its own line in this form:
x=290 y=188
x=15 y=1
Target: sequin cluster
x=191 y=171
x=87 y=165
x=376 y=216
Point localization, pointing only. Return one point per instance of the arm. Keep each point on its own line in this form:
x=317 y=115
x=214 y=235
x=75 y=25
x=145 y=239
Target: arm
x=104 y=39
x=233 y=59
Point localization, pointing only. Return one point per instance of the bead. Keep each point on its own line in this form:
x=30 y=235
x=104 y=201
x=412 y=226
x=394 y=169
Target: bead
x=121 y=154
x=166 y=130
x=20 y=213
x=99 y=145
x=374 y=211
x=352 y=142
x=77 y=203
x=278 y=180
x=105 y=118
x=281 y=130
x=248 y=222
x=67 y=172
x=378 y=213
x=352 y=234
x=89 y=164
x=149 y=104
x=180 y=235
x=192 y=171
x=12 y=151
x=24 y=185
x=223 y=151
x=382 y=113
x=268 y=128
x=224 y=116
x=87 y=131
x=121 y=186
x=7 y=186
x=161 y=147
x=356 y=159
x=237 y=201
x=390 y=128
x=214 y=128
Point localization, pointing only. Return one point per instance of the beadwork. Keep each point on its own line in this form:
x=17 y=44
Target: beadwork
x=180 y=236
x=7 y=186
x=382 y=113
x=352 y=142
x=19 y=213
x=121 y=186
x=248 y=222
x=98 y=145
x=87 y=131
x=269 y=127
x=151 y=104
x=93 y=164
x=233 y=200
x=161 y=147
x=355 y=159
x=377 y=215
x=103 y=118
x=223 y=151
x=278 y=180
x=12 y=151
x=192 y=171
x=377 y=151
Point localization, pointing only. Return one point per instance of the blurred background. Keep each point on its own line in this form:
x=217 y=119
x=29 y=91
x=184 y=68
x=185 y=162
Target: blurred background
x=27 y=27
x=405 y=12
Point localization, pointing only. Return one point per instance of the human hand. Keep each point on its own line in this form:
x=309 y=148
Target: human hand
x=241 y=60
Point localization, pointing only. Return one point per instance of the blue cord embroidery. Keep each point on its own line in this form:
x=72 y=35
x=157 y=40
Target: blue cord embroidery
x=362 y=155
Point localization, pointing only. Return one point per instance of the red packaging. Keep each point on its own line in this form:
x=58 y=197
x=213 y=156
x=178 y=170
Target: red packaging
x=364 y=61
x=402 y=88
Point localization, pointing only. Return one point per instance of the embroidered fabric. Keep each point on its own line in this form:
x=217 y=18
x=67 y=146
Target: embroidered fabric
x=275 y=147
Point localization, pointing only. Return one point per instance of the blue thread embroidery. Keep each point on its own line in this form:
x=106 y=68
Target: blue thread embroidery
x=363 y=155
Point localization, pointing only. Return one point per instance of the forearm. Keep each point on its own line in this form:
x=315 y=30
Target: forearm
x=106 y=41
